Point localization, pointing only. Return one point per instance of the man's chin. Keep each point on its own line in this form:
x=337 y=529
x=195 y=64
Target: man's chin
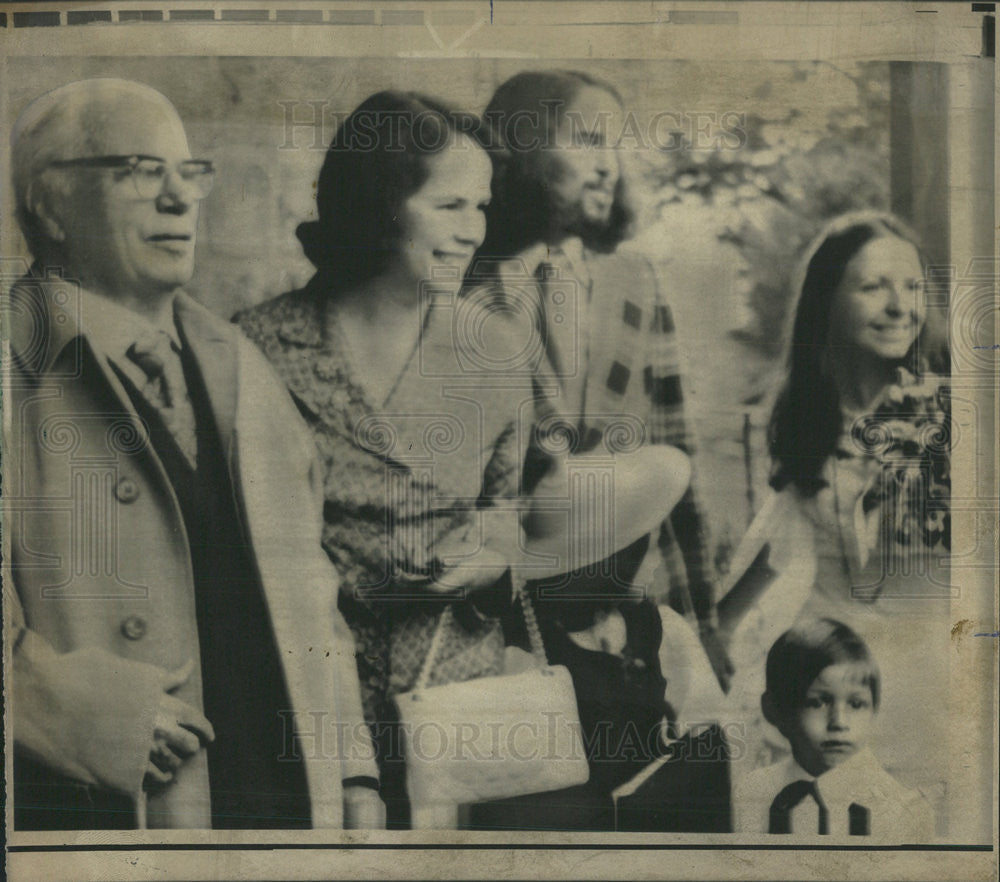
x=166 y=283
x=592 y=228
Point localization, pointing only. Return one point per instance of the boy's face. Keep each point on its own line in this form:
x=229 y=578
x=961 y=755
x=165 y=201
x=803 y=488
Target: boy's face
x=834 y=720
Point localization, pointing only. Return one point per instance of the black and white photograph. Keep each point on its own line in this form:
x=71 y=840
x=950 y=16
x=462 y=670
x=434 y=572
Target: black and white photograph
x=439 y=435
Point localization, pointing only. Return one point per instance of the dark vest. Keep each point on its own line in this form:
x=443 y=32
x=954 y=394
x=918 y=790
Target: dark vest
x=243 y=685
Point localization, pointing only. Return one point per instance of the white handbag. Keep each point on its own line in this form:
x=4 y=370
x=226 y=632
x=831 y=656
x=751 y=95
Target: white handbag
x=492 y=737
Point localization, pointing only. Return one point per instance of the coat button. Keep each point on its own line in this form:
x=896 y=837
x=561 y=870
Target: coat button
x=134 y=627
x=126 y=490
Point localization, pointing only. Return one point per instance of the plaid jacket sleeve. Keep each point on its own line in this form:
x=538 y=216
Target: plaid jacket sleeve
x=684 y=536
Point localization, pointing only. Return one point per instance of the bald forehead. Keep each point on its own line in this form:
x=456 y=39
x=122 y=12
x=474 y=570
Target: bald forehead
x=103 y=117
x=136 y=127
x=114 y=122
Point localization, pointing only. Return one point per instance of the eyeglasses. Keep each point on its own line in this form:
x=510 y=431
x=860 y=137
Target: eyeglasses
x=148 y=173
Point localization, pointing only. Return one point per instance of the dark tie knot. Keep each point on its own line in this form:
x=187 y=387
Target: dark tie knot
x=151 y=352
x=795 y=792
x=787 y=799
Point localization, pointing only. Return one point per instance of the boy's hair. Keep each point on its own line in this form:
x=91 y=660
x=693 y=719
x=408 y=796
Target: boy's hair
x=801 y=653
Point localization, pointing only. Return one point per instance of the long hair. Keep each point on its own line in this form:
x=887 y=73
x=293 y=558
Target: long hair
x=379 y=157
x=807 y=420
x=523 y=115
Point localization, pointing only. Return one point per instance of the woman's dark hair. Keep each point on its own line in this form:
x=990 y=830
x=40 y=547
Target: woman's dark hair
x=801 y=654
x=522 y=117
x=807 y=422
x=378 y=158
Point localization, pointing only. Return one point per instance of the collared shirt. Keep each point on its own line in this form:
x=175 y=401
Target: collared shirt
x=571 y=254
x=569 y=263
x=894 y=811
x=112 y=329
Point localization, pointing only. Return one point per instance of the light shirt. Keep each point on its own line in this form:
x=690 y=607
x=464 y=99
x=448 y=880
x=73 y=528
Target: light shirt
x=895 y=812
x=569 y=262
x=569 y=254
x=112 y=329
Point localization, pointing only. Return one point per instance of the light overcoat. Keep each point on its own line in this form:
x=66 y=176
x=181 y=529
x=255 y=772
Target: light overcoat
x=98 y=568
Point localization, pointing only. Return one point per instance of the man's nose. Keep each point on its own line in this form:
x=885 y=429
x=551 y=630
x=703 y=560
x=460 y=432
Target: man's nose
x=176 y=195
x=605 y=162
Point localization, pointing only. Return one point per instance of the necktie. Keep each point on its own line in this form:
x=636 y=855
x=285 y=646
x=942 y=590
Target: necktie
x=788 y=799
x=166 y=390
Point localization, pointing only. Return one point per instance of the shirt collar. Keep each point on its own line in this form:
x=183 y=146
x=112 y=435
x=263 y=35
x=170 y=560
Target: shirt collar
x=112 y=328
x=572 y=248
x=843 y=783
x=569 y=257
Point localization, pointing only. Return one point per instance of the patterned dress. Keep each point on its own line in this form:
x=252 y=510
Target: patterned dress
x=428 y=464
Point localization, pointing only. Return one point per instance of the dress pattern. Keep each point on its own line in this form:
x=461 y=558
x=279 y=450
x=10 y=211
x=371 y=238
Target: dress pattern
x=402 y=477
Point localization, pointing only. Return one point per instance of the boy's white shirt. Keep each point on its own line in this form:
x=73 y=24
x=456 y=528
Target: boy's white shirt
x=896 y=812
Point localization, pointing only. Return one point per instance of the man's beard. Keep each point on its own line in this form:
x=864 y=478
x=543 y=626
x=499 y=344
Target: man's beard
x=574 y=221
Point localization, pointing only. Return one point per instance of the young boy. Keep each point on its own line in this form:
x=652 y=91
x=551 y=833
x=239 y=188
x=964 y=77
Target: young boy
x=822 y=694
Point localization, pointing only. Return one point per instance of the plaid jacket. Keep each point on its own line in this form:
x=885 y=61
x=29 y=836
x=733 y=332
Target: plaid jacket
x=633 y=386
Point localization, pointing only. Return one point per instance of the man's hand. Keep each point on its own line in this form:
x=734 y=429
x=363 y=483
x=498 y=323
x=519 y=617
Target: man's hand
x=179 y=731
x=363 y=809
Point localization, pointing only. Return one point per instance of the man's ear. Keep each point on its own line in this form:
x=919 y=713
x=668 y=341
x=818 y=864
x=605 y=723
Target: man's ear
x=41 y=206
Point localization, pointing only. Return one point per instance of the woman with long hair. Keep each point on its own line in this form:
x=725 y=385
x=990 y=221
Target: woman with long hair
x=857 y=526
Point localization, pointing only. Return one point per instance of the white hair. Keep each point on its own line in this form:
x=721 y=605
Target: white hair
x=65 y=123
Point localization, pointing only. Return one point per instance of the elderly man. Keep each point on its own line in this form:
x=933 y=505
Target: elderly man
x=177 y=655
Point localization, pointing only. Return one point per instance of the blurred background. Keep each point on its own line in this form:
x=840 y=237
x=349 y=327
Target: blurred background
x=733 y=167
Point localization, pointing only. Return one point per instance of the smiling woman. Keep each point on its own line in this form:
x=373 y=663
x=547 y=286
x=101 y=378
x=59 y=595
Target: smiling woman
x=418 y=443
x=858 y=527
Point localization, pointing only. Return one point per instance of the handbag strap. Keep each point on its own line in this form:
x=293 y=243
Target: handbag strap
x=425 y=670
x=530 y=621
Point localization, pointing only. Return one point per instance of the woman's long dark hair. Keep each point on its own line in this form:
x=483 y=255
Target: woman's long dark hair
x=522 y=116
x=378 y=158
x=807 y=422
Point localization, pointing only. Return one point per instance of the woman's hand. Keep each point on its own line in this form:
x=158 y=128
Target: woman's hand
x=464 y=563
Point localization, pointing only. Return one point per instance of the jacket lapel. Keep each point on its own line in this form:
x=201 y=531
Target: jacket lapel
x=217 y=359
x=47 y=342
x=40 y=326
x=306 y=359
